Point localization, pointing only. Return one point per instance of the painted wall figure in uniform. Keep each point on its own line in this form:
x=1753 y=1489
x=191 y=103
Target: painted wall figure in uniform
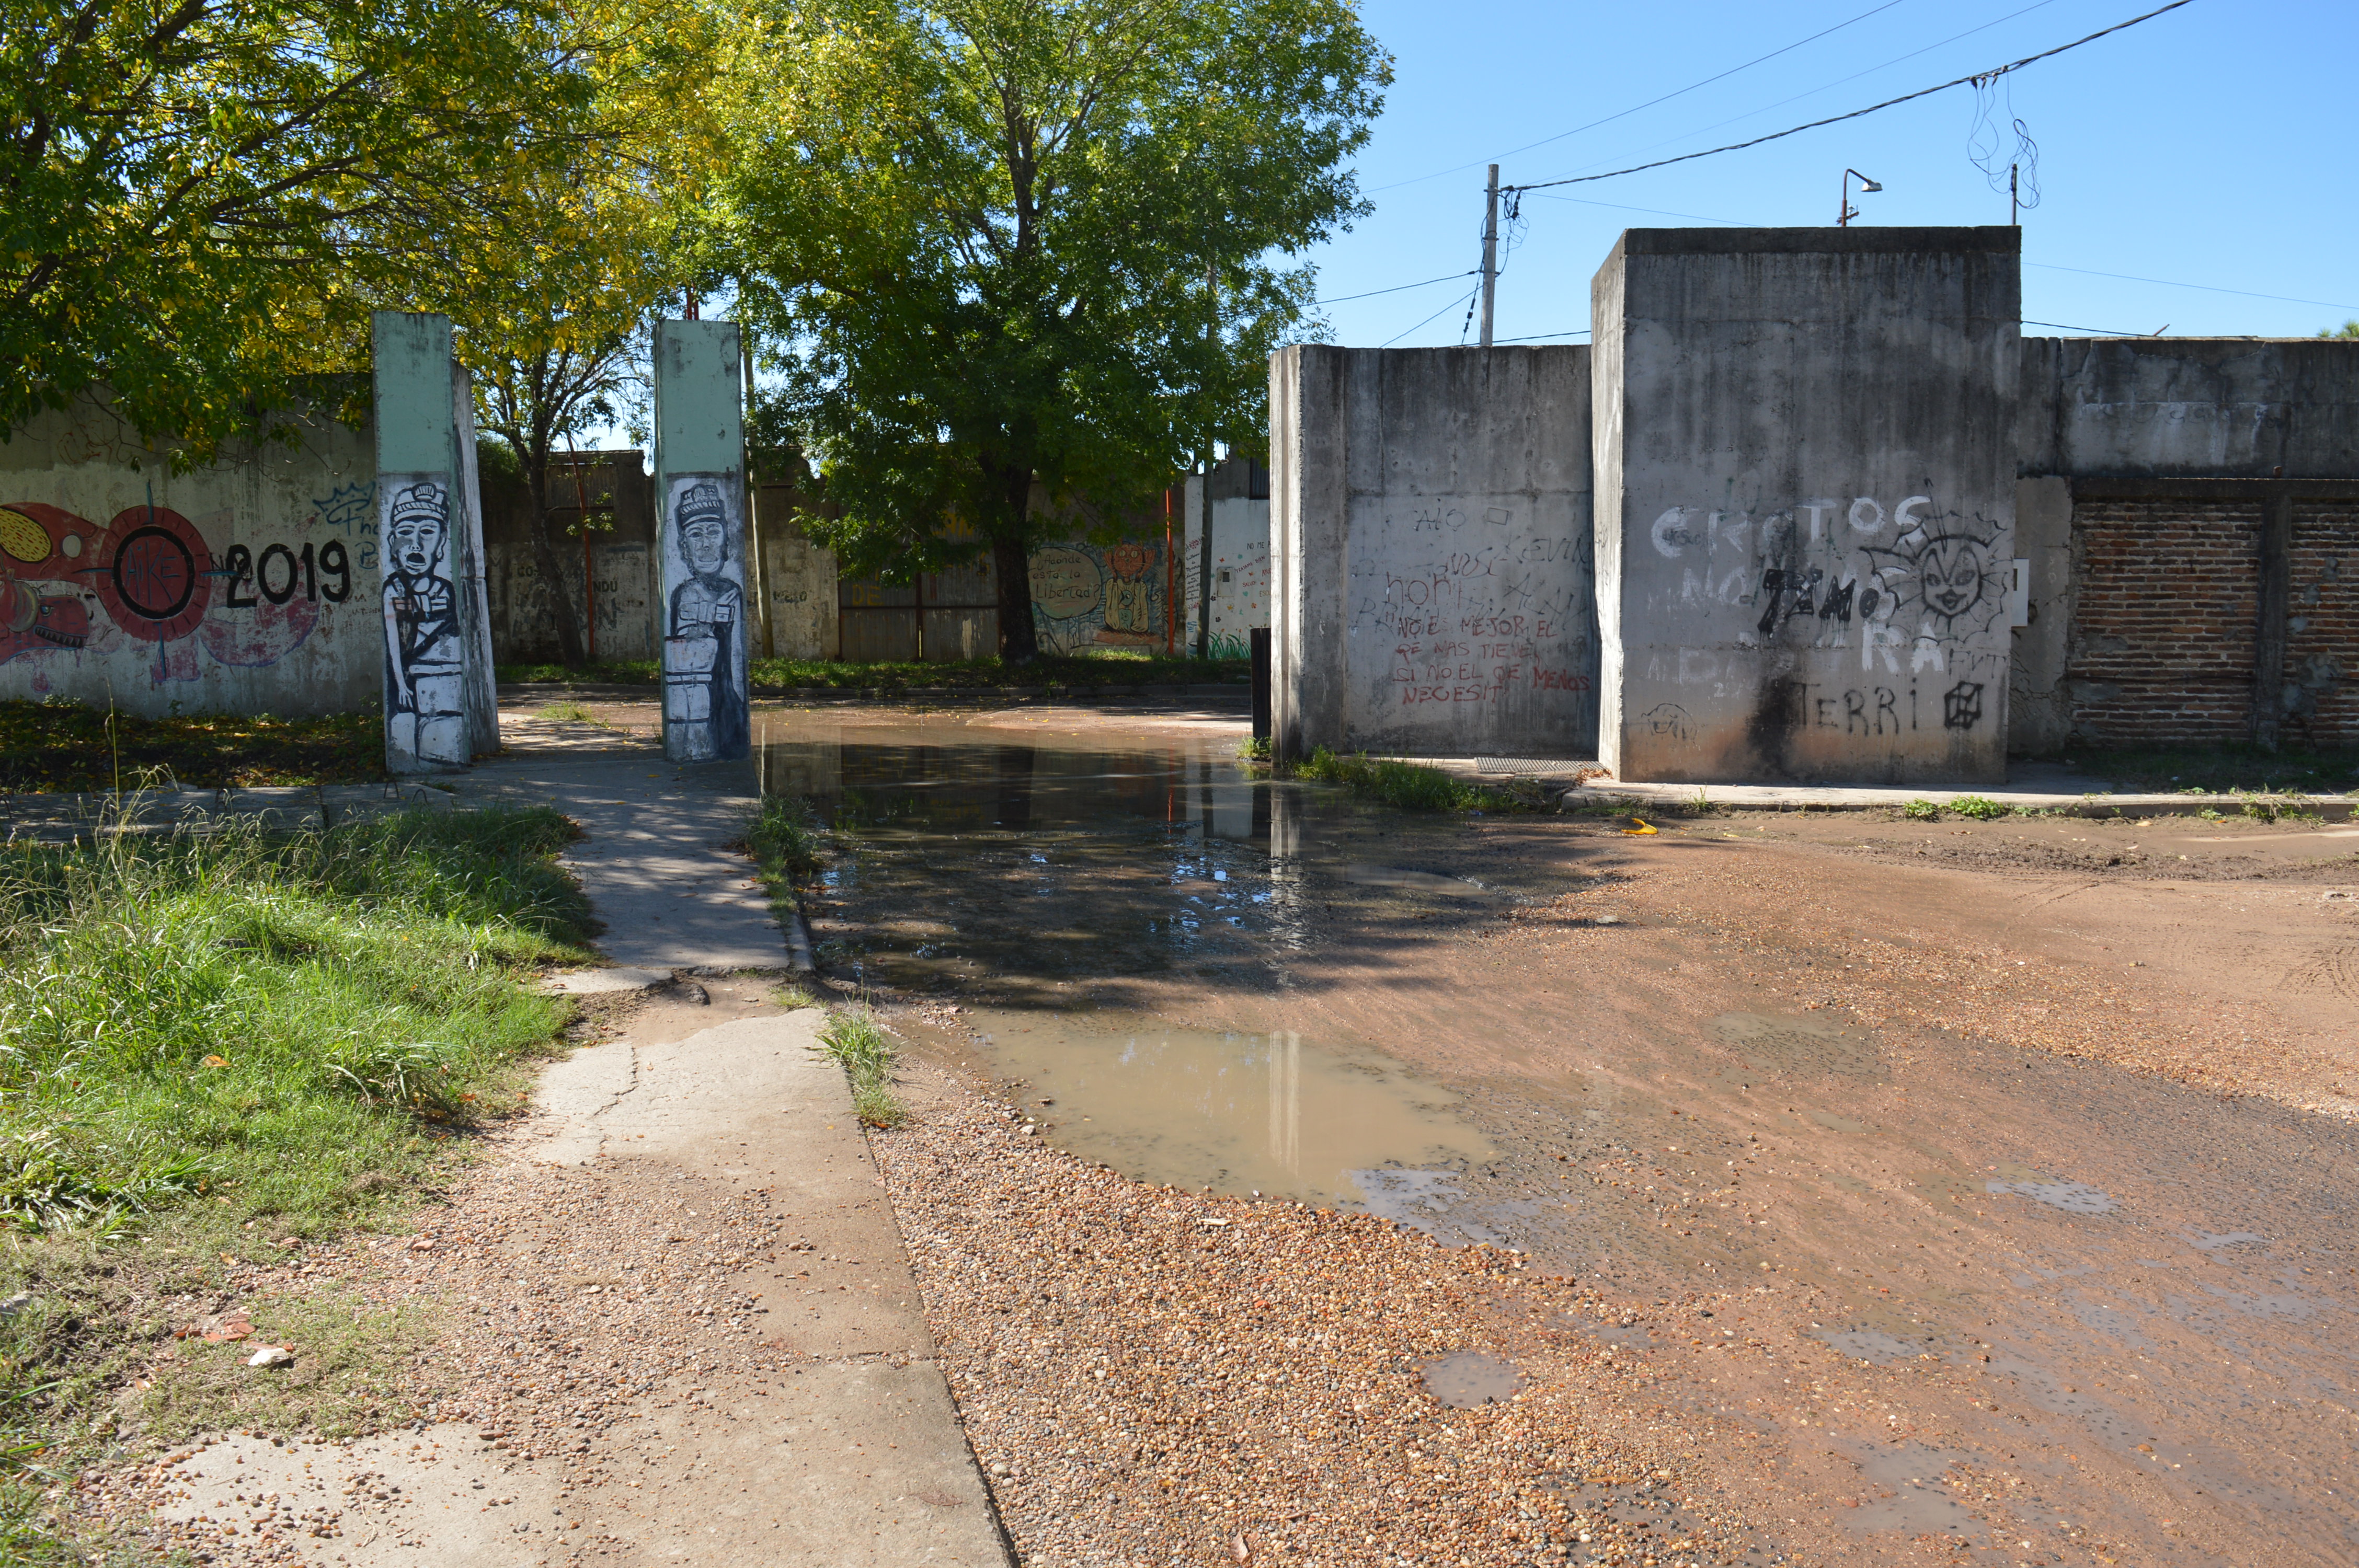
x=424 y=700
x=705 y=644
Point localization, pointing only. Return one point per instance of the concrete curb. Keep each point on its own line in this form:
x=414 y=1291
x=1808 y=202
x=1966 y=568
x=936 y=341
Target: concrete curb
x=1766 y=797
x=1560 y=779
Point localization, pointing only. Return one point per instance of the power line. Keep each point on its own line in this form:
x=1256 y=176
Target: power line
x=1400 y=290
x=2206 y=287
x=1838 y=81
x=1978 y=77
x=1453 y=304
x=1535 y=336
x=1650 y=102
x=2101 y=331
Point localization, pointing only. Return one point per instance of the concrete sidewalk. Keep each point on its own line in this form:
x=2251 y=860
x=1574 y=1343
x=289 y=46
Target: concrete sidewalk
x=2042 y=787
x=858 y=1456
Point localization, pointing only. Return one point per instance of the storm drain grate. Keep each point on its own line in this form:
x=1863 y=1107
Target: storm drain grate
x=1524 y=765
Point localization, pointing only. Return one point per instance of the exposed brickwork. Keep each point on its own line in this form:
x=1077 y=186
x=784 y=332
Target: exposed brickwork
x=2161 y=646
x=2322 y=630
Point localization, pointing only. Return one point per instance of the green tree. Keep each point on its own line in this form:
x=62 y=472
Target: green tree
x=2348 y=330
x=1024 y=258
x=200 y=199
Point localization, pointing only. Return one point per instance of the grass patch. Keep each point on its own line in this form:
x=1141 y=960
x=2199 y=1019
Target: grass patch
x=1114 y=667
x=1412 y=787
x=858 y=1043
x=2226 y=769
x=71 y=746
x=210 y=1043
x=573 y=713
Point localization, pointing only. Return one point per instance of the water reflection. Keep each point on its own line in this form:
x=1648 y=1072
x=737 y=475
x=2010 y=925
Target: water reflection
x=1266 y=1113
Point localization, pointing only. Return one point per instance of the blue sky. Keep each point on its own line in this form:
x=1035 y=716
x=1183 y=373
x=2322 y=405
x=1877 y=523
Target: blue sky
x=2212 y=147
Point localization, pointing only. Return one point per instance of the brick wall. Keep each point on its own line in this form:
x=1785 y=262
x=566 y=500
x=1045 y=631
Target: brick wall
x=2322 y=628
x=2161 y=646
x=2165 y=612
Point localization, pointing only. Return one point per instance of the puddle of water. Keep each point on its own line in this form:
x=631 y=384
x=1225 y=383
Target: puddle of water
x=1265 y=1113
x=2208 y=1241
x=2072 y=1197
x=1040 y=874
x=1469 y=1379
x=1361 y=874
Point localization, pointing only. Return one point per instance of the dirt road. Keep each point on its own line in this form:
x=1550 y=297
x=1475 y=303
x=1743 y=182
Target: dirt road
x=2014 y=1162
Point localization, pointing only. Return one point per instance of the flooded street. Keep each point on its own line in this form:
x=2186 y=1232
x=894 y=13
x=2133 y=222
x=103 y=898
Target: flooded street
x=2012 y=1165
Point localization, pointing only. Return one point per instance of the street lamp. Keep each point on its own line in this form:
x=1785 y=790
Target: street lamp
x=1847 y=211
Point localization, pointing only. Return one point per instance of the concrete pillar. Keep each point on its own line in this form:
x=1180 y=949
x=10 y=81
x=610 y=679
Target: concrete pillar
x=1805 y=469
x=474 y=597
x=1429 y=540
x=700 y=454
x=436 y=646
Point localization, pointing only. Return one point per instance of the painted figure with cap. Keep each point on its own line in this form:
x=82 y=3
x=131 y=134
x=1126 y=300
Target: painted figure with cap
x=424 y=696
x=704 y=647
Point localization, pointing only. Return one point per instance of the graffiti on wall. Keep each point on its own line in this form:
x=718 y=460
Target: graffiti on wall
x=71 y=587
x=425 y=662
x=1086 y=596
x=707 y=714
x=1458 y=610
x=1917 y=594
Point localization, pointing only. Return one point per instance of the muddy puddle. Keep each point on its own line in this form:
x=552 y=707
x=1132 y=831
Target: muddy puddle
x=1050 y=877
x=1261 y=1113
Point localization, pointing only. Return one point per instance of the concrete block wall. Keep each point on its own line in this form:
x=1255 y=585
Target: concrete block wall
x=619 y=496
x=1235 y=596
x=1806 y=465
x=1432 y=590
x=248 y=585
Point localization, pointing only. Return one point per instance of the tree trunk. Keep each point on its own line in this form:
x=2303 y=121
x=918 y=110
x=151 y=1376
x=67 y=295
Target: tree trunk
x=1011 y=559
x=547 y=556
x=1019 y=639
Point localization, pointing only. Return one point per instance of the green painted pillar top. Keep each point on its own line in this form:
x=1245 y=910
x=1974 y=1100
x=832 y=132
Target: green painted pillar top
x=414 y=433
x=699 y=409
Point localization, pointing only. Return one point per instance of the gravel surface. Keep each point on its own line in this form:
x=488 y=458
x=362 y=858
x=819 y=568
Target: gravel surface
x=1151 y=1375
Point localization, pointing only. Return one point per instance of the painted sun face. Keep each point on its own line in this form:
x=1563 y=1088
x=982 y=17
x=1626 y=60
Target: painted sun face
x=704 y=542
x=1952 y=572
x=415 y=545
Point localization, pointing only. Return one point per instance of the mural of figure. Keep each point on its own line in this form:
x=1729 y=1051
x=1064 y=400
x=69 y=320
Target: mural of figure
x=705 y=715
x=425 y=705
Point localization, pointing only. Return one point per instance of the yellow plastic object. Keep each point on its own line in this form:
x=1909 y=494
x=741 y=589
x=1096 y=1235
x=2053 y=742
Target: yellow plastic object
x=1642 y=828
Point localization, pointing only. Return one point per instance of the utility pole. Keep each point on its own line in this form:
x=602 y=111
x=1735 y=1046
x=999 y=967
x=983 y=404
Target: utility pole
x=1204 y=489
x=1489 y=251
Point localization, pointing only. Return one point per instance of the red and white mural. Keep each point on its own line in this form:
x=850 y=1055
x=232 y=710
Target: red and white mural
x=221 y=593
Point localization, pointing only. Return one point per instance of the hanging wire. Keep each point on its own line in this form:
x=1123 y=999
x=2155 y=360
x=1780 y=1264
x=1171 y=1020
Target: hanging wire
x=2014 y=168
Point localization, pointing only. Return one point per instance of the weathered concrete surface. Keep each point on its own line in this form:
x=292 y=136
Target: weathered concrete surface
x=2177 y=408
x=701 y=540
x=2039 y=710
x=123 y=580
x=1430 y=538
x=1805 y=477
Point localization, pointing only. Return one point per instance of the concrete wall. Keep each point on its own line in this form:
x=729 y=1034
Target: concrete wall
x=619 y=497
x=1236 y=594
x=1806 y=467
x=248 y=586
x=2162 y=407
x=1430 y=526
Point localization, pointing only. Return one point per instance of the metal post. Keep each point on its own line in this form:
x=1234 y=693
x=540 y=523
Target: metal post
x=2014 y=209
x=1489 y=251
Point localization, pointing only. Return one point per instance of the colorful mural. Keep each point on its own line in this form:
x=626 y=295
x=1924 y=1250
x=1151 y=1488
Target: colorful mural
x=1087 y=595
x=70 y=586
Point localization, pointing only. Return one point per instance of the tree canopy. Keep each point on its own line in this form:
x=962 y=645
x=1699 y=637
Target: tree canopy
x=199 y=198
x=1009 y=252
